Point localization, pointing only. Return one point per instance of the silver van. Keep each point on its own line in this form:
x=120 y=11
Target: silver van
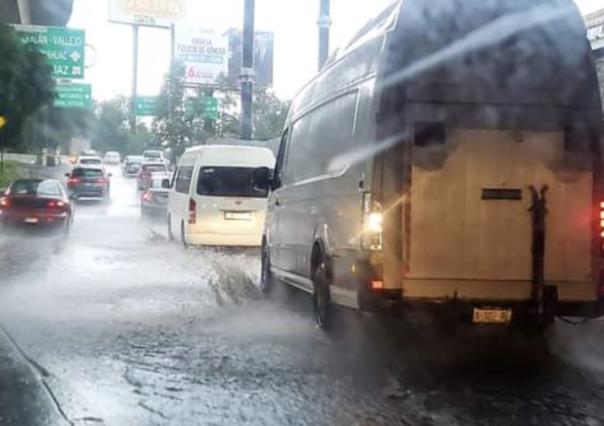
x=430 y=165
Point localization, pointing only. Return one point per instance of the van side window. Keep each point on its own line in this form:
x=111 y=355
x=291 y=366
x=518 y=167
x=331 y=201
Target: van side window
x=320 y=137
x=183 y=180
x=279 y=165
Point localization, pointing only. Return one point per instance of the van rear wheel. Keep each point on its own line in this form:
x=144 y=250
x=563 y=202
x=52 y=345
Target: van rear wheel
x=321 y=298
x=266 y=278
x=170 y=233
x=183 y=235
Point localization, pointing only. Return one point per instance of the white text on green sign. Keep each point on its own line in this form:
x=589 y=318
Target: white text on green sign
x=73 y=96
x=64 y=47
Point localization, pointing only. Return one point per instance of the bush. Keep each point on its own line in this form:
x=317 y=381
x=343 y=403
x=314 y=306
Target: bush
x=12 y=171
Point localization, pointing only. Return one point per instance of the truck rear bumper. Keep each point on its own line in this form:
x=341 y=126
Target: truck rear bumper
x=493 y=290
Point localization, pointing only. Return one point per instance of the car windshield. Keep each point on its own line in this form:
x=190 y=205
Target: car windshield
x=90 y=161
x=34 y=187
x=228 y=182
x=88 y=173
x=154 y=168
x=302 y=212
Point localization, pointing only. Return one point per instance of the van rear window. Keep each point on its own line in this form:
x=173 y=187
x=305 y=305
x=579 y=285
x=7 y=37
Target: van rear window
x=228 y=182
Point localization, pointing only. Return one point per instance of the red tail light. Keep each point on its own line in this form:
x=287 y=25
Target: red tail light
x=148 y=196
x=56 y=204
x=192 y=211
x=101 y=180
x=73 y=181
x=601 y=228
x=4 y=202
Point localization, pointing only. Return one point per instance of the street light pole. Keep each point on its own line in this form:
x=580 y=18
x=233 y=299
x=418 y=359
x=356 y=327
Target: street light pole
x=324 y=23
x=134 y=78
x=247 y=71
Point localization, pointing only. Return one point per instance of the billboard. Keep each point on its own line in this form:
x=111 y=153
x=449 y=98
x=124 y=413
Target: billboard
x=263 y=58
x=204 y=54
x=156 y=13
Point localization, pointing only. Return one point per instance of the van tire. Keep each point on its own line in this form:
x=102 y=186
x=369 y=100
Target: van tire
x=267 y=281
x=321 y=297
x=170 y=233
x=183 y=236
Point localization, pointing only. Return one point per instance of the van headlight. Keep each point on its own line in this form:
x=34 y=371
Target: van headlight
x=373 y=219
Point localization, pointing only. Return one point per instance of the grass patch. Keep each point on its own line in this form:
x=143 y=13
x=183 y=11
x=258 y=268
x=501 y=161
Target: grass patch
x=12 y=171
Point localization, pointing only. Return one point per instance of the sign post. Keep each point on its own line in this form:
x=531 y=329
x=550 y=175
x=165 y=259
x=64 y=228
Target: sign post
x=64 y=48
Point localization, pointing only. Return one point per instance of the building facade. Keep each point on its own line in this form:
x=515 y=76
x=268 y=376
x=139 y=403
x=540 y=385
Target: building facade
x=594 y=23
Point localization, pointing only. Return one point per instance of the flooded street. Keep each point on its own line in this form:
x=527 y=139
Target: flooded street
x=126 y=327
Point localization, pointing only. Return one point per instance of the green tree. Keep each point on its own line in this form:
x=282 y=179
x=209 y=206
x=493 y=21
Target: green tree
x=269 y=115
x=26 y=85
x=173 y=127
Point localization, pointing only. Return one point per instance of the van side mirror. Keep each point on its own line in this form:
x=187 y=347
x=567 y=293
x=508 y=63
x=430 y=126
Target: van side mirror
x=261 y=179
x=165 y=183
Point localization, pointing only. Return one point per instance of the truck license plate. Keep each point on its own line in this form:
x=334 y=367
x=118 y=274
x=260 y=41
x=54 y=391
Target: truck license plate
x=492 y=316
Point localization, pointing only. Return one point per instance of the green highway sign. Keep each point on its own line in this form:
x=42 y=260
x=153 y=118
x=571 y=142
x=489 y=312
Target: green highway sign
x=64 y=47
x=206 y=106
x=73 y=95
x=146 y=105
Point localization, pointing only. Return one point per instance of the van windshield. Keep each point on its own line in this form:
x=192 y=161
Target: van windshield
x=228 y=182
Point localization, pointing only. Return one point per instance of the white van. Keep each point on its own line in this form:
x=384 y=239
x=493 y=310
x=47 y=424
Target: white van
x=212 y=200
x=416 y=174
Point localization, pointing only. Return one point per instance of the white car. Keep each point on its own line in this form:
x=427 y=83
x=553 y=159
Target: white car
x=89 y=160
x=112 y=157
x=213 y=201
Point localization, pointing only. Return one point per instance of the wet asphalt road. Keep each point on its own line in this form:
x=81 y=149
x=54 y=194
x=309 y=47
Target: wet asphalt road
x=131 y=329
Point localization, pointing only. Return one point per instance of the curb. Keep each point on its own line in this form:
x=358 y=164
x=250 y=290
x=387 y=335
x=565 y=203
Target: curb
x=27 y=397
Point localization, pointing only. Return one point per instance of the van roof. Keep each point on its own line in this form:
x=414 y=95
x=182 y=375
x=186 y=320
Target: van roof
x=231 y=155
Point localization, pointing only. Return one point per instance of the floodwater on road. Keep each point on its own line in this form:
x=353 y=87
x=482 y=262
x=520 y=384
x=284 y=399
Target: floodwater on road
x=131 y=329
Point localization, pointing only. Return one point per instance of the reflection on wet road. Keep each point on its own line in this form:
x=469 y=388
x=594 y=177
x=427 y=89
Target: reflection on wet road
x=136 y=330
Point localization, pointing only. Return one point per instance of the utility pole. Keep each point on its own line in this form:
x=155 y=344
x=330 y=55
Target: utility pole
x=247 y=70
x=134 y=78
x=324 y=23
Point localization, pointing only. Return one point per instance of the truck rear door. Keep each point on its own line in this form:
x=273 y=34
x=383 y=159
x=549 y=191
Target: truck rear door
x=470 y=228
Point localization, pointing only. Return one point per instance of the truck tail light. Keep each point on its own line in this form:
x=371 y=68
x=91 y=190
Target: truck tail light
x=601 y=228
x=192 y=211
x=372 y=234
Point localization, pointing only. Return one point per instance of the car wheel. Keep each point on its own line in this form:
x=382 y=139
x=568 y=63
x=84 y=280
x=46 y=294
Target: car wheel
x=67 y=227
x=321 y=297
x=266 y=277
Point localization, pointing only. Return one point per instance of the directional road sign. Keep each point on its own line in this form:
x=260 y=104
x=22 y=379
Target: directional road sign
x=73 y=95
x=206 y=106
x=64 y=47
x=146 y=105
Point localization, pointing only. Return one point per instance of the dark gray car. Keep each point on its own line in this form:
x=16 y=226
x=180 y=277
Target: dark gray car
x=88 y=183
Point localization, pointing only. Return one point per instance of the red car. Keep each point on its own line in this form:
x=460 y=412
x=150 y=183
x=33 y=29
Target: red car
x=36 y=202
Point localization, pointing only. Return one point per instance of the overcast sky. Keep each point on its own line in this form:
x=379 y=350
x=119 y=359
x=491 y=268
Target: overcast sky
x=292 y=21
